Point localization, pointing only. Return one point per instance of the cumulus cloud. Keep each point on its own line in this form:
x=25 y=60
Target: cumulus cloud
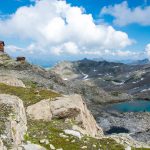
x=57 y=27
x=147 y=50
x=125 y=15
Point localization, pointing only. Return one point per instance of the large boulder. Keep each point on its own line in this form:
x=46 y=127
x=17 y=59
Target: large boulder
x=11 y=81
x=65 y=107
x=40 y=111
x=13 y=120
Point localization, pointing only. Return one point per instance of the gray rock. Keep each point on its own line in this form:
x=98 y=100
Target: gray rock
x=41 y=110
x=52 y=147
x=65 y=107
x=33 y=147
x=15 y=123
x=8 y=80
x=137 y=123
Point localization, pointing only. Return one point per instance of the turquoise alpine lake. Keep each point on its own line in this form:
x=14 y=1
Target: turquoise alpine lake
x=131 y=106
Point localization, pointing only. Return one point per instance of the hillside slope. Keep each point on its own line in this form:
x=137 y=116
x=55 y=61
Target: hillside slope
x=37 y=116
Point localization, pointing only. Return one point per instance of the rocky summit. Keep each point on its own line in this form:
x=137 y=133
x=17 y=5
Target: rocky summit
x=45 y=110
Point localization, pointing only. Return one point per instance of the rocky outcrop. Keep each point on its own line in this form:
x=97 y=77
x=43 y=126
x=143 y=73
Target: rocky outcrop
x=14 y=122
x=6 y=62
x=11 y=81
x=66 y=70
x=67 y=107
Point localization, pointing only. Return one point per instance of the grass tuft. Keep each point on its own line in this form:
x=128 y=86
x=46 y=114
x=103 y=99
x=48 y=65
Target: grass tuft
x=38 y=130
x=28 y=95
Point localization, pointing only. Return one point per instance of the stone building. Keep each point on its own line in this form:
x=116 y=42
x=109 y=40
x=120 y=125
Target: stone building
x=2 y=44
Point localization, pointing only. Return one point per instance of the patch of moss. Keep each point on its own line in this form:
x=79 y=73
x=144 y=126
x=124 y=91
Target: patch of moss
x=28 y=95
x=4 y=114
x=5 y=111
x=38 y=130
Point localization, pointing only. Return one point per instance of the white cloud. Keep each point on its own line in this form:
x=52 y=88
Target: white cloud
x=118 y=53
x=13 y=48
x=125 y=15
x=71 y=48
x=147 y=50
x=56 y=27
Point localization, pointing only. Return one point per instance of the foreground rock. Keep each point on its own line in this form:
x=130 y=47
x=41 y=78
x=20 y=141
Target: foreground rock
x=32 y=147
x=13 y=120
x=8 y=80
x=66 y=107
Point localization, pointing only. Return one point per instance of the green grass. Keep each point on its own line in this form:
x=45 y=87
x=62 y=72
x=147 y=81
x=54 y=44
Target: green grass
x=38 y=130
x=28 y=95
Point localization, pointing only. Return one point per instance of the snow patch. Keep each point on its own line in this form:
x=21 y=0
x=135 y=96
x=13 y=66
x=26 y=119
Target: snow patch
x=118 y=83
x=115 y=66
x=85 y=76
x=135 y=88
x=145 y=90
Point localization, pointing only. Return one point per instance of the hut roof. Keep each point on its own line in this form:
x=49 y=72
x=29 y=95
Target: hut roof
x=2 y=42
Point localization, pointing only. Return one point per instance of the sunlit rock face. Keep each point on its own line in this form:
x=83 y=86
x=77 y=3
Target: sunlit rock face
x=66 y=107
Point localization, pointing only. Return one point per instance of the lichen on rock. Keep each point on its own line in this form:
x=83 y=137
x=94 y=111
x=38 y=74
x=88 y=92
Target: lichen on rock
x=14 y=120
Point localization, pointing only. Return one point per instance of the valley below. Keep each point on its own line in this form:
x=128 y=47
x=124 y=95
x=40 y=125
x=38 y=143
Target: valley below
x=119 y=97
x=134 y=124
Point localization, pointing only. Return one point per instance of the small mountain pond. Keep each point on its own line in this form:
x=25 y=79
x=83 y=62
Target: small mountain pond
x=131 y=106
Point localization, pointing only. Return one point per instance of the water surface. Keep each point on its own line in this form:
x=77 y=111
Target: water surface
x=131 y=106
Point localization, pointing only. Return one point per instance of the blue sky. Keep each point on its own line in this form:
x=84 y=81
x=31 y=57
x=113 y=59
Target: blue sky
x=114 y=29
